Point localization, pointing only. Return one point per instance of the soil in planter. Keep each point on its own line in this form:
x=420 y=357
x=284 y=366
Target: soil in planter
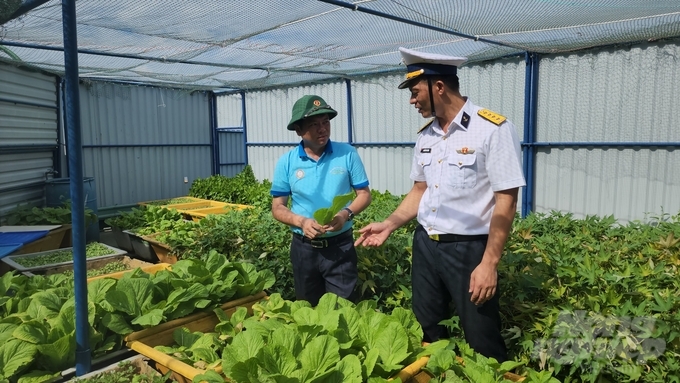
x=171 y=201
x=109 y=268
x=126 y=372
x=94 y=249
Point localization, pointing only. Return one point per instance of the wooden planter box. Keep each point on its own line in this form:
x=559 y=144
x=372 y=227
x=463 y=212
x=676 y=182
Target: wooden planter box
x=141 y=248
x=161 y=250
x=159 y=202
x=199 y=214
x=145 y=340
x=10 y=259
x=122 y=238
x=54 y=239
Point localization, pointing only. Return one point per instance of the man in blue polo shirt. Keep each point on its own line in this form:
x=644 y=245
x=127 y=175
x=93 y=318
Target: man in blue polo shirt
x=323 y=256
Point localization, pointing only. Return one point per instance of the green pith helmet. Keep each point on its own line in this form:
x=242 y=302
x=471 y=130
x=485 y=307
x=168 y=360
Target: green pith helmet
x=308 y=106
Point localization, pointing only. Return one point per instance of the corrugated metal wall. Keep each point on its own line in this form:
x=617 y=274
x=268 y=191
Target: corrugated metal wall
x=268 y=114
x=28 y=135
x=141 y=142
x=603 y=95
x=231 y=139
x=622 y=95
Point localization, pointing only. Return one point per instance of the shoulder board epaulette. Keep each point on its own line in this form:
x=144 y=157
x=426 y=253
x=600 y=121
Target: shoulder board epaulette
x=425 y=126
x=491 y=116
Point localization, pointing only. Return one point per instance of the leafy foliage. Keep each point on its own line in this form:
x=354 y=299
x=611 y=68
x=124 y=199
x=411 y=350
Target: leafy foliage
x=336 y=341
x=25 y=215
x=243 y=189
x=37 y=314
x=325 y=215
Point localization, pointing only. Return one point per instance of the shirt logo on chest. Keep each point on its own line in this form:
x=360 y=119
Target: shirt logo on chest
x=300 y=174
x=465 y=150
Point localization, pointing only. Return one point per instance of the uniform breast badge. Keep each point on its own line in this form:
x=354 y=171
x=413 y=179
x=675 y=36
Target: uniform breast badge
x=465 y=150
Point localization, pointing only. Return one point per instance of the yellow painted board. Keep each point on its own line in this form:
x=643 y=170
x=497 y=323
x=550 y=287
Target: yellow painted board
x=151 y=269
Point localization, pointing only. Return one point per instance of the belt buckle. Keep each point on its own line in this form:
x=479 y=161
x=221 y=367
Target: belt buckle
x=434 y=237
x=319 y=243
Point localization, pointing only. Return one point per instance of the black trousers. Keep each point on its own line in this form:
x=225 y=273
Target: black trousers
x=320 y=267
x=441 y=274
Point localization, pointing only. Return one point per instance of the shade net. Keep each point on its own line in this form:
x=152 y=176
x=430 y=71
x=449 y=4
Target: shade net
x=243 y=45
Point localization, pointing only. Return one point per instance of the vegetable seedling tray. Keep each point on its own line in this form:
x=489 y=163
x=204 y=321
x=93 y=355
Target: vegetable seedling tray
x=11 y=260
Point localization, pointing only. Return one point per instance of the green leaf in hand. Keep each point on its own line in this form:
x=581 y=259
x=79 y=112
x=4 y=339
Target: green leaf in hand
x=324 y=215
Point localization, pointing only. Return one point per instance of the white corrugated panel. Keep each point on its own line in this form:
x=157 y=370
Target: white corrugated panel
x=28 y=135
x=229 y=111
x=141 y=142
x=263 y=159
x=269 y=112
x=382 y=112
x=498 y=86
x=622 y=95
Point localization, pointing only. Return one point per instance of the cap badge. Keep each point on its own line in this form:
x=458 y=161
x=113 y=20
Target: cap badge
x=414 y=74
x=317 y=103
x=465 y=150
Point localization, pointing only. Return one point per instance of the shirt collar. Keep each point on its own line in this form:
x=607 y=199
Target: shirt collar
x=302 y=153
x=464 y=115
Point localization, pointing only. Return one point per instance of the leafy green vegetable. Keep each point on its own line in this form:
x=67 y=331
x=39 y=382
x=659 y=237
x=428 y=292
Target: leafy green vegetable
x=325 y=215
x=94 y=249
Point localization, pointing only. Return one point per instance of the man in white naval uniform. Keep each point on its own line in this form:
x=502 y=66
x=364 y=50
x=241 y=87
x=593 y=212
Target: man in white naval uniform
x=467 y=172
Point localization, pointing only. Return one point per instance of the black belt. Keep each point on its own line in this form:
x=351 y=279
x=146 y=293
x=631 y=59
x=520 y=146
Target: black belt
x=456 y=237
x=321 y=243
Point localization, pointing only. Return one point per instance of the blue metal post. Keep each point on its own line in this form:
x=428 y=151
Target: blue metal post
x=350 y=115
x=529 y=150
x=214 y=134
x=245 y=125
x=75 y=164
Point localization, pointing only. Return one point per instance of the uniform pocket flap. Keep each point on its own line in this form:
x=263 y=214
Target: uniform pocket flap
x=461 y=160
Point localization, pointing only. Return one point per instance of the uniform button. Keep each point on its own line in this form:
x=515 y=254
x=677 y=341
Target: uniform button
x=443 y=138
x=440 y=161
x=429 y=228
x=434 y=209
x=436 y=186
x=460 y=162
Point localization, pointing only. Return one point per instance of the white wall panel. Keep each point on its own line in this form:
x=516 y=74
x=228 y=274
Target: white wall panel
x=140 y=142
x=268 y=112
x=611 y=95
x=28 y=135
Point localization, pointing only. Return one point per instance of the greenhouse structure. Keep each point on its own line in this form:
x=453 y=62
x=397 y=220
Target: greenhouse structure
x=118 y=103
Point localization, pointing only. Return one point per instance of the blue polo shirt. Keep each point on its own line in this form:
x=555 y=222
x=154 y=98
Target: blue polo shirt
x=313 y=184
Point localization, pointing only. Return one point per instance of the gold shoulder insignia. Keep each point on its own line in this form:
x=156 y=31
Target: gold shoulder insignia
x=425 y=126
x=491 y=116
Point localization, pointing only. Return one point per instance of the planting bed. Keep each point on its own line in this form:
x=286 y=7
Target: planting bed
x=50 y=259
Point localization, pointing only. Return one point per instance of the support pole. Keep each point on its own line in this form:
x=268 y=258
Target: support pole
x=529 y=150
x=350 y=112
x=214 y=134
x=245 y=127
x=75 y=165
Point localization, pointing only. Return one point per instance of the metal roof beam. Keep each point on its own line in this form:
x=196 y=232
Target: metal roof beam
x=25 y=7
x=355 y=7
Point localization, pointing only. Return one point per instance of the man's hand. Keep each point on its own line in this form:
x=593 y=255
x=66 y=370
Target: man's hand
x=338 y=221
x=311 y=228
x=483 y=282
x=375 y=234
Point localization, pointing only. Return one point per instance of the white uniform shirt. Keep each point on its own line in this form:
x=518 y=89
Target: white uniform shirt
x=462 y=169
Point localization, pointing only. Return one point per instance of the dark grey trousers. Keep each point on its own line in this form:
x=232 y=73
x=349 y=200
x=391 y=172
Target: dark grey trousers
x=441 y=274
x=318 y=270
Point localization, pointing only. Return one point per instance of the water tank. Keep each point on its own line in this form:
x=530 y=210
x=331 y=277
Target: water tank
x=58 y=190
